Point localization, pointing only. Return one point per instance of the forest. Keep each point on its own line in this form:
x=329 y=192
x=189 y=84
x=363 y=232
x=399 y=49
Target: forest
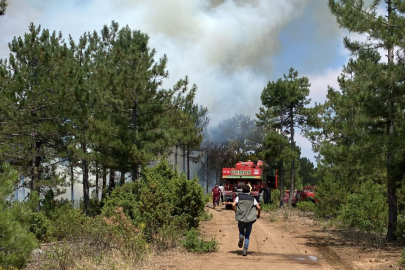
x=98 y=104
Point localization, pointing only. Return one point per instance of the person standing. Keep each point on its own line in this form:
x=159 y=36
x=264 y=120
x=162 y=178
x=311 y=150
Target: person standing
x=245 y=207
x=215 y=192
x=250 y=187
x=221 y=187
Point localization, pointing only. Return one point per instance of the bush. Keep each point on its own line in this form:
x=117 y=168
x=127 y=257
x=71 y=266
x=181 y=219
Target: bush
x=269 y=207
x=401 y=228
x=194 y=243
x=367 y=209
x=402 y=261
x=42 y=227
x=67 y=222
x=16 y=241
x=160 y=198
x=307 y=206
x=275 y=196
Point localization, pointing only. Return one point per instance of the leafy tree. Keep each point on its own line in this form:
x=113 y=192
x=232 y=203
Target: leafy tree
x=371 y=94
x=284 y=104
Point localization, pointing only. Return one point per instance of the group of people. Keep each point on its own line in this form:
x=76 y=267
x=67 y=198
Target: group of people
x=245 y=207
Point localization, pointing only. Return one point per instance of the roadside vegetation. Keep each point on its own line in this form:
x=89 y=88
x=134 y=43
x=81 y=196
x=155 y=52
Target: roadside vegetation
x=161 y=210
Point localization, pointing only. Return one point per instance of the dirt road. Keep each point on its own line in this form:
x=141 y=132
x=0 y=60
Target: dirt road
x=270 y=248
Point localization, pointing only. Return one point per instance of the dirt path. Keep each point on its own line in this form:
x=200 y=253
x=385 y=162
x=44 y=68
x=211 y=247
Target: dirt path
x=270 y=248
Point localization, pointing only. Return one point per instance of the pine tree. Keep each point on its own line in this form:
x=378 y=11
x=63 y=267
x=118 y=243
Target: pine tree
x=192 y=128
x=31 y=91
x=284 y=104
x=135 y=105
x=3 y=7
x=80 y=108
x=376 y=86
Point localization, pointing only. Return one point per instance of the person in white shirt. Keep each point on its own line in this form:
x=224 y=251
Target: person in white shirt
x=221 y=187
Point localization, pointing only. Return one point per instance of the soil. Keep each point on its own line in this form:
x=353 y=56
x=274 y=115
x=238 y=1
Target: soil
x=283 y=239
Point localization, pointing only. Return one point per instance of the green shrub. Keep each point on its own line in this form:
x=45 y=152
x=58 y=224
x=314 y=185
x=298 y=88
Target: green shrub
x=125 y=197
x=160 y=198
x=94 y=206
x=367 y=209
x=188 y=200
x=402 y=261
x=307 y=206
x=269 y=207
x=401 y=228
x=167 y=237
x=206 y=216
x=60 y=257
x=16 y=241
x=67 y=222
x=194 y=243
x=42 y=227
x=275 y=196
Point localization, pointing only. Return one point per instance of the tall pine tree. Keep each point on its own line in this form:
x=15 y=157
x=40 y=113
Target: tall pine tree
x=375 y=86
x=284 y=109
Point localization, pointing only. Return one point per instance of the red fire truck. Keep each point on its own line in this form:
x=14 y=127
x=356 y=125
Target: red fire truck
x=257 y=174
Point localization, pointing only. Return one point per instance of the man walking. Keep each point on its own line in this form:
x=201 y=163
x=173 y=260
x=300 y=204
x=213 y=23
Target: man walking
x=221 y=187
x=245 y=213
x=216 y=193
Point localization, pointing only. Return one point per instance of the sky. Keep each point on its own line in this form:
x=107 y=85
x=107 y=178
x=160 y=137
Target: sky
x=230 y=49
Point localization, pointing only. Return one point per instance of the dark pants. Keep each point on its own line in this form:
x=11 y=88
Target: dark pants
x=245 y=228
x=222 y=199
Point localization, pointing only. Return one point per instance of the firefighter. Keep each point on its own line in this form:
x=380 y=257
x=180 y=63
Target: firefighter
x=245 y=207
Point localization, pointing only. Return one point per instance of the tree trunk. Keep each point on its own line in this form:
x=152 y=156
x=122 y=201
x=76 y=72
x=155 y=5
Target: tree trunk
x=292 y=189
x=86 y=184
x=122 y=178
x=112 y=180
x=135 y=129
x=184 y=160
x=393 y=208
x=281 y=174
x=97 y=182
x=104 y=187
x=206 y=169
x=392 y=177
x=135 y=172
x=35 y=170
x=72 y=182
x=175 y=156
x=281 y=169
x=188 y=163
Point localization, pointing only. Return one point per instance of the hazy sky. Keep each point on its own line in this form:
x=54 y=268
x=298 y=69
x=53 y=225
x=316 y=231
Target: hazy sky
x=229 y=48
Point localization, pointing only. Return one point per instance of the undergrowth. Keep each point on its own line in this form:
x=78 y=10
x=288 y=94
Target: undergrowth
x=196 y=243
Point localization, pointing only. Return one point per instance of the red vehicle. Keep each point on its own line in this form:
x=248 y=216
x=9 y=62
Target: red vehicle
x=257 y=174
x=306 y=194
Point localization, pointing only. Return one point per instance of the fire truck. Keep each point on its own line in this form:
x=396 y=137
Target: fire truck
x=256 y=174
